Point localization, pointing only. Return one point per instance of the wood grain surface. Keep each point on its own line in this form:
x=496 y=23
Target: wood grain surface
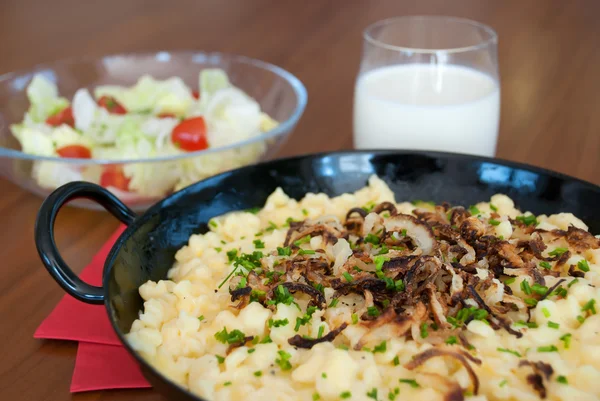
x=549 y=56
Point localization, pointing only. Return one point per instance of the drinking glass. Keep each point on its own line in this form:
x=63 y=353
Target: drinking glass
x=428 y=83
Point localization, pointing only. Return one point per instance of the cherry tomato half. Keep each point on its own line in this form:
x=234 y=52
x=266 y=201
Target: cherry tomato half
x=65 y=116
x=111 y=104
x=190 y=134
x=74 y=152
x=113 y=176
x=196 y=95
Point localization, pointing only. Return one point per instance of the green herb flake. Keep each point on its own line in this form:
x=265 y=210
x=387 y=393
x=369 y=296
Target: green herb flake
x=546 y=312
x=557 y=251
x=509 y=351
x=243 y=282
x=334 y=302
x=494 y=222
x=380 y=348
x=282 y=296
x=503 y=383
x=321 y=331
x=348 y=277
x=396 y=361
x=373 y=311
x=286 y=251
x=590 y=306
x=201 y=318
x=324 y=375
x=316 y=396
x=232 y=254
x=528 y=220
x=451 y=340
x=525 y=287
x=303 y=240
x=510 y=280
x=306 y=252
x=424 y=332
x=379 y=261
x=271 y=227
x=553 y=325
x=345 y=394
x=354 y=318
x=258 y=373
x=473 y=210
x=545 y=265
x=232 y=337
x=562 y=380
x=213 y=224
x=494 y=208
x=566 y=339
x=284 y=360
x=305 y=212
x=253 y=210
x=580 y=319
x=258 y=244
x=252 y=350
x=372 y=239
x=226 y=384
x=413 y=383
x=373 y=393
x=531 y=301
x=220 y=359
x=583 y=265
x=218 y=249
x=278 y=323
x=548 y=348
x=572 y=283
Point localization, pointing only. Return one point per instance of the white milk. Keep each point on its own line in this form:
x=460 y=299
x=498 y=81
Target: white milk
x=432 y=107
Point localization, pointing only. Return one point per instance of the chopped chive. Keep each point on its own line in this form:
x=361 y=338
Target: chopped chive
x=494 y=208
x=494 y=222
x=583 y=265
x=218 y=249
x=345 y=394
x=553 y=325
x=589 y=306
x=373 y=393
x=580 y=319
x=510 y=280
x=373 y=311
x=284 y=360
x=284 y=251
x=451 y=340
x=413 y=383
x=258 y=373
x=573 y=282
x=201 y=318
x=558 y=251
x=348 y=277
x=562 y=380
x=278 y=323
x=546 y=312
x=566 y=339
x=380 y=348
x=372 y=239
x=220 y=359
x=324 y=375
x=424 y=332
x=306 y=252
x=525 y=287
x=503 y=383
x=531 y=301
x=213 y=223
x=539 y=289
x=232 y=254
x=509 y=351
x=315 y=396
x=548 y=348
x=321 y=331
x=473 y=210
x=228 y=383
x=546 y=265
x=396 y=361
x=303 y=240
x=528 y=220
x=258 y=244
x=354 y=318
x=305 y=212
x=334 y=302
x=531 y=325
x=251 y=350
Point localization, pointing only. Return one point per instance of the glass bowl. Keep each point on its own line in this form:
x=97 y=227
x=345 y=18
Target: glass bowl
x=280 y=94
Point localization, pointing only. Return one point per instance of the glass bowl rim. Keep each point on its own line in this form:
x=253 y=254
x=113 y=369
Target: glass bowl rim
x=490 y=40
x=283 y=127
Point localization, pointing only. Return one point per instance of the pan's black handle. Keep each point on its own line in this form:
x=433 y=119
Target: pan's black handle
x=44 y=235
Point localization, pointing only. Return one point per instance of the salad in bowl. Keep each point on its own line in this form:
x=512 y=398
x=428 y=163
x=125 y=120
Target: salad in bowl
x=144 y=140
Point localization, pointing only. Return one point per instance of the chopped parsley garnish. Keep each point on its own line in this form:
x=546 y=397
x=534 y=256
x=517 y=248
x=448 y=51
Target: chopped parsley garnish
x=213 y=223
x=321 y=331
x=286 y=251
x=345 y=394
x=548 y=348
x=380 y=348
x=528 y=220
x=232 y=337
x=303 y=240
x=494 y=208
x=278 y=323
x=562 y=380
x=451 y=340
x=306 y=252
x=282 y=296
x=545 y=265
x=525 y=287
x=494 y=222
x=372 y=239
x=583 y=265
x=258 y=244
x=220 y=359
x=284 y=360
x=396 y=361
x=354 y=318
x=258 y=373
x=510 y=280
x=201 y=318
x=557 y=251
x=373 y=311
x=413 y=383
x=546 y=312
x=503 y=383
x=509 y=351
x=424 y=332
x=305 y=212
x=590 y=306
x=573 y=282
x=373 y=393
x=348 y=277
x=553 y=325
x=232 y=254
x=473 y=210
x=566 y=339
x=334 y=302
x=252 y=350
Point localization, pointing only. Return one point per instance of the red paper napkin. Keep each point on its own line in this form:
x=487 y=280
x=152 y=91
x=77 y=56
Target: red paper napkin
x=102 y=362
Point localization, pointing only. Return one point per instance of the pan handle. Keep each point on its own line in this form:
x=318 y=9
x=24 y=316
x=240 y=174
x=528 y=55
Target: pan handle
x=46 y=245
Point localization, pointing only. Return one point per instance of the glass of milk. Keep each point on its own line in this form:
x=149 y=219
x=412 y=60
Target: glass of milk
x=428 y=83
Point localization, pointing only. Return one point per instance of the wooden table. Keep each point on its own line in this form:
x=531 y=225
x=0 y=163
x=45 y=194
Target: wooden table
x=549 y=63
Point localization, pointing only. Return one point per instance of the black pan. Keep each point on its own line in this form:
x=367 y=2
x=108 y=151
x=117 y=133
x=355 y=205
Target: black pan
x=145 y=251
